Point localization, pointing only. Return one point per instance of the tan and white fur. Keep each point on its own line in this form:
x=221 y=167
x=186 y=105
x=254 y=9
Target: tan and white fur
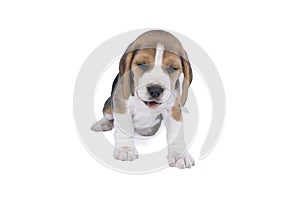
x=146 y=92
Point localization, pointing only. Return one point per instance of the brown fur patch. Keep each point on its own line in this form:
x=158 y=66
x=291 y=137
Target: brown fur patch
x=124 y=71
x=151 y=38
x=143 y=56
x=176 y=111
x=188 y=77
x=172 y=60
x=119 y=102
x=107 y=109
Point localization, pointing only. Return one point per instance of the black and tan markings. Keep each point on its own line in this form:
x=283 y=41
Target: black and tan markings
x=139 y=58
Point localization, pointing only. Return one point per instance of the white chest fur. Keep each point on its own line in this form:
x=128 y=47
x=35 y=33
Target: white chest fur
x=144 y=118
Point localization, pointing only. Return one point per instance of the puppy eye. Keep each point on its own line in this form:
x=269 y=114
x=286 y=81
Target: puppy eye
x=171 y=69
x=143 y=66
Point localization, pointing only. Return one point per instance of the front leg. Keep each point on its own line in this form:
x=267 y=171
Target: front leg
x=124 y=141
x=178 y=156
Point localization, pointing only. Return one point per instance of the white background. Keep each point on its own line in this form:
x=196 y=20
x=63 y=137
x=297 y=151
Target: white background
x=255 y=46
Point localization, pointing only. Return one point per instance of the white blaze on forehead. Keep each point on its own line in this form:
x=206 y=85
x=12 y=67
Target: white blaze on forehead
x=155 y=76
x=159 y=54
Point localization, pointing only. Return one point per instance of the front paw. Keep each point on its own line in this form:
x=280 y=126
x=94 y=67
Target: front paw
x=125 y=153
x=181 y=161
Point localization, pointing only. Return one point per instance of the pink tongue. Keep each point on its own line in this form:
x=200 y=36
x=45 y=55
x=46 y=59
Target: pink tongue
x=151 y=104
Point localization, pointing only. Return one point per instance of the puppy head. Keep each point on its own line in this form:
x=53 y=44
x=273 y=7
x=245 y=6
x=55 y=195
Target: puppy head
x=151 y=66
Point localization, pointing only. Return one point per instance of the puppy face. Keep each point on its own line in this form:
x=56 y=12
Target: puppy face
x=151 y=66
x=155 y=73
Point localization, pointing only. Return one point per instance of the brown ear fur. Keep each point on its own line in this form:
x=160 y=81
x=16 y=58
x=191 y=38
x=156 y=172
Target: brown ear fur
x=125 y=73
x=188 y=77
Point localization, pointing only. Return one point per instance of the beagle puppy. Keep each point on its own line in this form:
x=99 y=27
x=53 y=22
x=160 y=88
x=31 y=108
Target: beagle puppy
x=146 y=92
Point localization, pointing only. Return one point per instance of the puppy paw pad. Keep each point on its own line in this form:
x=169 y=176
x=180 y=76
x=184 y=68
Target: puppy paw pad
x=181 y=161
x=125 y=153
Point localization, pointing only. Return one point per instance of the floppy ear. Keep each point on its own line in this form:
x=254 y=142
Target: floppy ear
x=125 y=74
x=188 y=77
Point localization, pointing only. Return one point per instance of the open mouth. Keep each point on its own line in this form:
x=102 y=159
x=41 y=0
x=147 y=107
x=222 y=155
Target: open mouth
x=152 y=104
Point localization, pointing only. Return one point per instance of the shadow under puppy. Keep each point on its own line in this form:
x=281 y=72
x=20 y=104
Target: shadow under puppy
x=148 y=86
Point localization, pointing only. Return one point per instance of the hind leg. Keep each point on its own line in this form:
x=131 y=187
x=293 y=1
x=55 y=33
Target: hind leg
x=103 y=125
x=107 y=122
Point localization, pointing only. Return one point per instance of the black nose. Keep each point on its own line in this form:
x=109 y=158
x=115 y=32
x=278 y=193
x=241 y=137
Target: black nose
x=155 y=90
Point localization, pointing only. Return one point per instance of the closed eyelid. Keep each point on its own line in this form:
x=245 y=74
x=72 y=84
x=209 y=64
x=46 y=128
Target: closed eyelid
x=173 y=62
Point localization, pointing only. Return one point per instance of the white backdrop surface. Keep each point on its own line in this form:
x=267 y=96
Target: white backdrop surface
x=255 y=46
